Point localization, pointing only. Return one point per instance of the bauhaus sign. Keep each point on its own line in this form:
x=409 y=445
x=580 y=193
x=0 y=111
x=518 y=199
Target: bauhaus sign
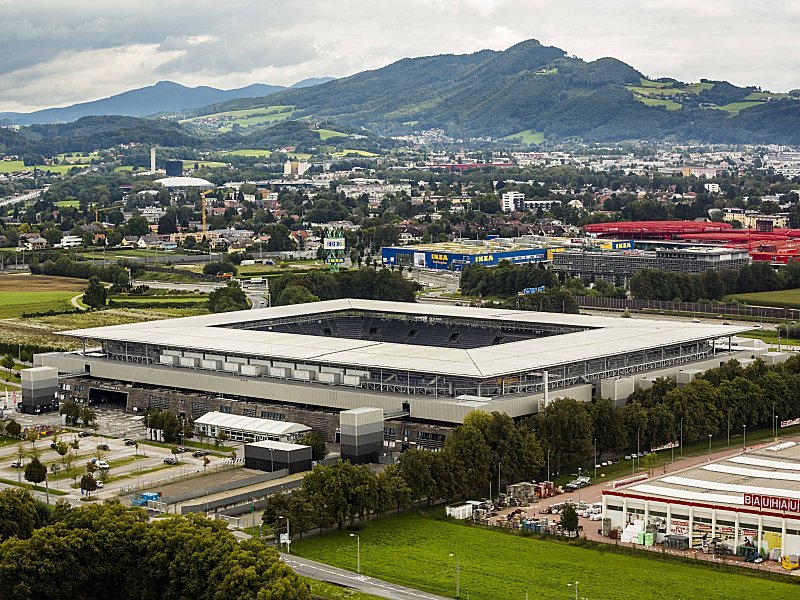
x=772 y=502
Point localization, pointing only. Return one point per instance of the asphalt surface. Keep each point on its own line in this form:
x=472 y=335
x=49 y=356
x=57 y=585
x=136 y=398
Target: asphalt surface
x=368 y=585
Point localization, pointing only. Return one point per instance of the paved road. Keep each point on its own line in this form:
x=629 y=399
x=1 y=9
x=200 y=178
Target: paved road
x=368 y=585
x=21 y=198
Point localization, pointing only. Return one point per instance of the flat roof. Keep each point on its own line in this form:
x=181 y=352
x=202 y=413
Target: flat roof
x=607 y=336
x=770 y=470
x=251 y=424
x=475 y=247
x=285 y=446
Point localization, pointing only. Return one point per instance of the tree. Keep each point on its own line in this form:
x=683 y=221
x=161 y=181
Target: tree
x=88 y=416
x=318 y=448
x=72 y=410
x=19 y=516
x=13 y=429
x=88 y=484
x=227 y=299
x=36 y=473
x=565 y=427
x=8 y=364
x=295 y=294
x=219 y=266
x=95 y=295
x=569 y=519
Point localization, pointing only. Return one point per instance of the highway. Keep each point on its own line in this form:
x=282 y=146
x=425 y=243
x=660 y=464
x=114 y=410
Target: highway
x=368 y=585
x=22 y=197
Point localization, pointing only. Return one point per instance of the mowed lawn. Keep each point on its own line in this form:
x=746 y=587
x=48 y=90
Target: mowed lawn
x=414 y=550
x=780 y=299
x=36 y=293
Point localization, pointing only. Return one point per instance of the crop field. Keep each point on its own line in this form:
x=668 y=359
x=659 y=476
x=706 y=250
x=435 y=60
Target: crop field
x=780 y=299
x=735 y=107
x=668 y=104
x=529 y=136
x=414 y=549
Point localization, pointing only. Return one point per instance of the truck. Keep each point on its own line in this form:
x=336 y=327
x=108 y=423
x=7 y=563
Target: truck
x=145 y=497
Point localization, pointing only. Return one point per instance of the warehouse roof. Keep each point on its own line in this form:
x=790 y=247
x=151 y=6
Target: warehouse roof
x=603 y=337
x=274 y=445
x=185 y=182
x=250 y=424
x=772 y=471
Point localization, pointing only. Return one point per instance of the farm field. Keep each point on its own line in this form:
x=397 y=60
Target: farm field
x=780 y=299
x=735 y=107
x=12 y=166
x=495 y=565
x=529 y=136
x=164 y=298
x=36 y=293
x=668 y=104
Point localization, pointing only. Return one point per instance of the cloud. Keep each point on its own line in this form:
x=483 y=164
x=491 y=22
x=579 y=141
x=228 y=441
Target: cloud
x=56 y=52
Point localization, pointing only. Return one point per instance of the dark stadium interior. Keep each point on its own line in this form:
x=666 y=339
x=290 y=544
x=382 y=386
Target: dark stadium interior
x=440 y=332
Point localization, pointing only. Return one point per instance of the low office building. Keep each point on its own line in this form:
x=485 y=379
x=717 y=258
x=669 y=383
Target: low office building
x=618 y=267
x=273 y=456
x=748 y=499
x=247 y=429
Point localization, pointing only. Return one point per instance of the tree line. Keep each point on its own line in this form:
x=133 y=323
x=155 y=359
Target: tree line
x=112 y=551
x=485 y=447
x=369 y=284
x=718 y=401
x=66 y=267
x=654 y=284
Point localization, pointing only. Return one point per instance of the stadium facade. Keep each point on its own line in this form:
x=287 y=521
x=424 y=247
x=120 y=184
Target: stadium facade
x=425 y=366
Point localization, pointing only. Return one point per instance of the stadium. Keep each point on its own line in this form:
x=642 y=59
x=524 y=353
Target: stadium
x=425 y=366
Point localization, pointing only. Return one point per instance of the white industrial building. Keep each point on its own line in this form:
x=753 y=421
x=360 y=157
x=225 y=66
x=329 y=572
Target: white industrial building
x=751 y=498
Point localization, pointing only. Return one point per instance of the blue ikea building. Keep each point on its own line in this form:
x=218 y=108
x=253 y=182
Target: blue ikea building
x=454 y=260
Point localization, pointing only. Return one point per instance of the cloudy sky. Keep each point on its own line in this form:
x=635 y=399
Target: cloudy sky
x=55 y=53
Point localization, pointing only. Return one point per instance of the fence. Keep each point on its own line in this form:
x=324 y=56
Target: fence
x=140 y=486
x=708 y=308
x=242 y=501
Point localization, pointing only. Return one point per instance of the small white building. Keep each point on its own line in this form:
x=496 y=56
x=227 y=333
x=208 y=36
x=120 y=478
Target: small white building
x=248 y=429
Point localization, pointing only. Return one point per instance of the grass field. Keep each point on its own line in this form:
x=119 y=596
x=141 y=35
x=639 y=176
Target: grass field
x=208 y=164
x=529 y=136
x=36 y=293
x=780 y=299
x=329 y=591
x=324 y=134
x=181 y=299
x=13 y=166
x=350 y=152
x=251 y=153
x=735 y=107
x=224 y=121
x=668 y=104
x=414 y=549
x=68 y=203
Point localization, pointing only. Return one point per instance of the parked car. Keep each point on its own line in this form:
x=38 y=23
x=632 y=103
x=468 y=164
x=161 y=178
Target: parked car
x=129 y=442
x=103 y=447
x=200 y=453
x=99 y=484
x=84 y=434
x=171 y=460
x=180 y=450
x=100 y=464
x=53 y=445
x=17 y=464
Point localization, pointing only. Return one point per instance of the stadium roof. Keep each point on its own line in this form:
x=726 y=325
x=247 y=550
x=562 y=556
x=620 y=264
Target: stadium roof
x=184 y=182
x=607 y=336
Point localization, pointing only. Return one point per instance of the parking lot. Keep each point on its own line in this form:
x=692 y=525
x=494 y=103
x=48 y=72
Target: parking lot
x=129 y=466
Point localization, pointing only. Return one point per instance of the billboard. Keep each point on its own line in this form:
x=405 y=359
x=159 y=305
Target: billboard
x=333 y=244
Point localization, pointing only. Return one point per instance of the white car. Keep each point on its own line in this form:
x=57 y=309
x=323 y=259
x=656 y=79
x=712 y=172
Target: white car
x=100 y=464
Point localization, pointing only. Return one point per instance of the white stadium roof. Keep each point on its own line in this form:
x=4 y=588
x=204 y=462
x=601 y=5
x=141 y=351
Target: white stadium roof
x=184 y=182
x=607 y=337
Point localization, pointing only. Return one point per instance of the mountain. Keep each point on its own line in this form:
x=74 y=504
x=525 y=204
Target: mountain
x=90 y=133
x=312 y=81
x=163 y=97
x=532 y=87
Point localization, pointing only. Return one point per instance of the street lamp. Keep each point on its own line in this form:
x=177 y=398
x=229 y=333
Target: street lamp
x=288 y=542
x=776 y=426
x=681 y=436
x=206 y=502
x=729 y=426
x=744 y=436
x=458 y=583
x=709 y=446
x=595 y=458
x=358 y=552
x=774 y=429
